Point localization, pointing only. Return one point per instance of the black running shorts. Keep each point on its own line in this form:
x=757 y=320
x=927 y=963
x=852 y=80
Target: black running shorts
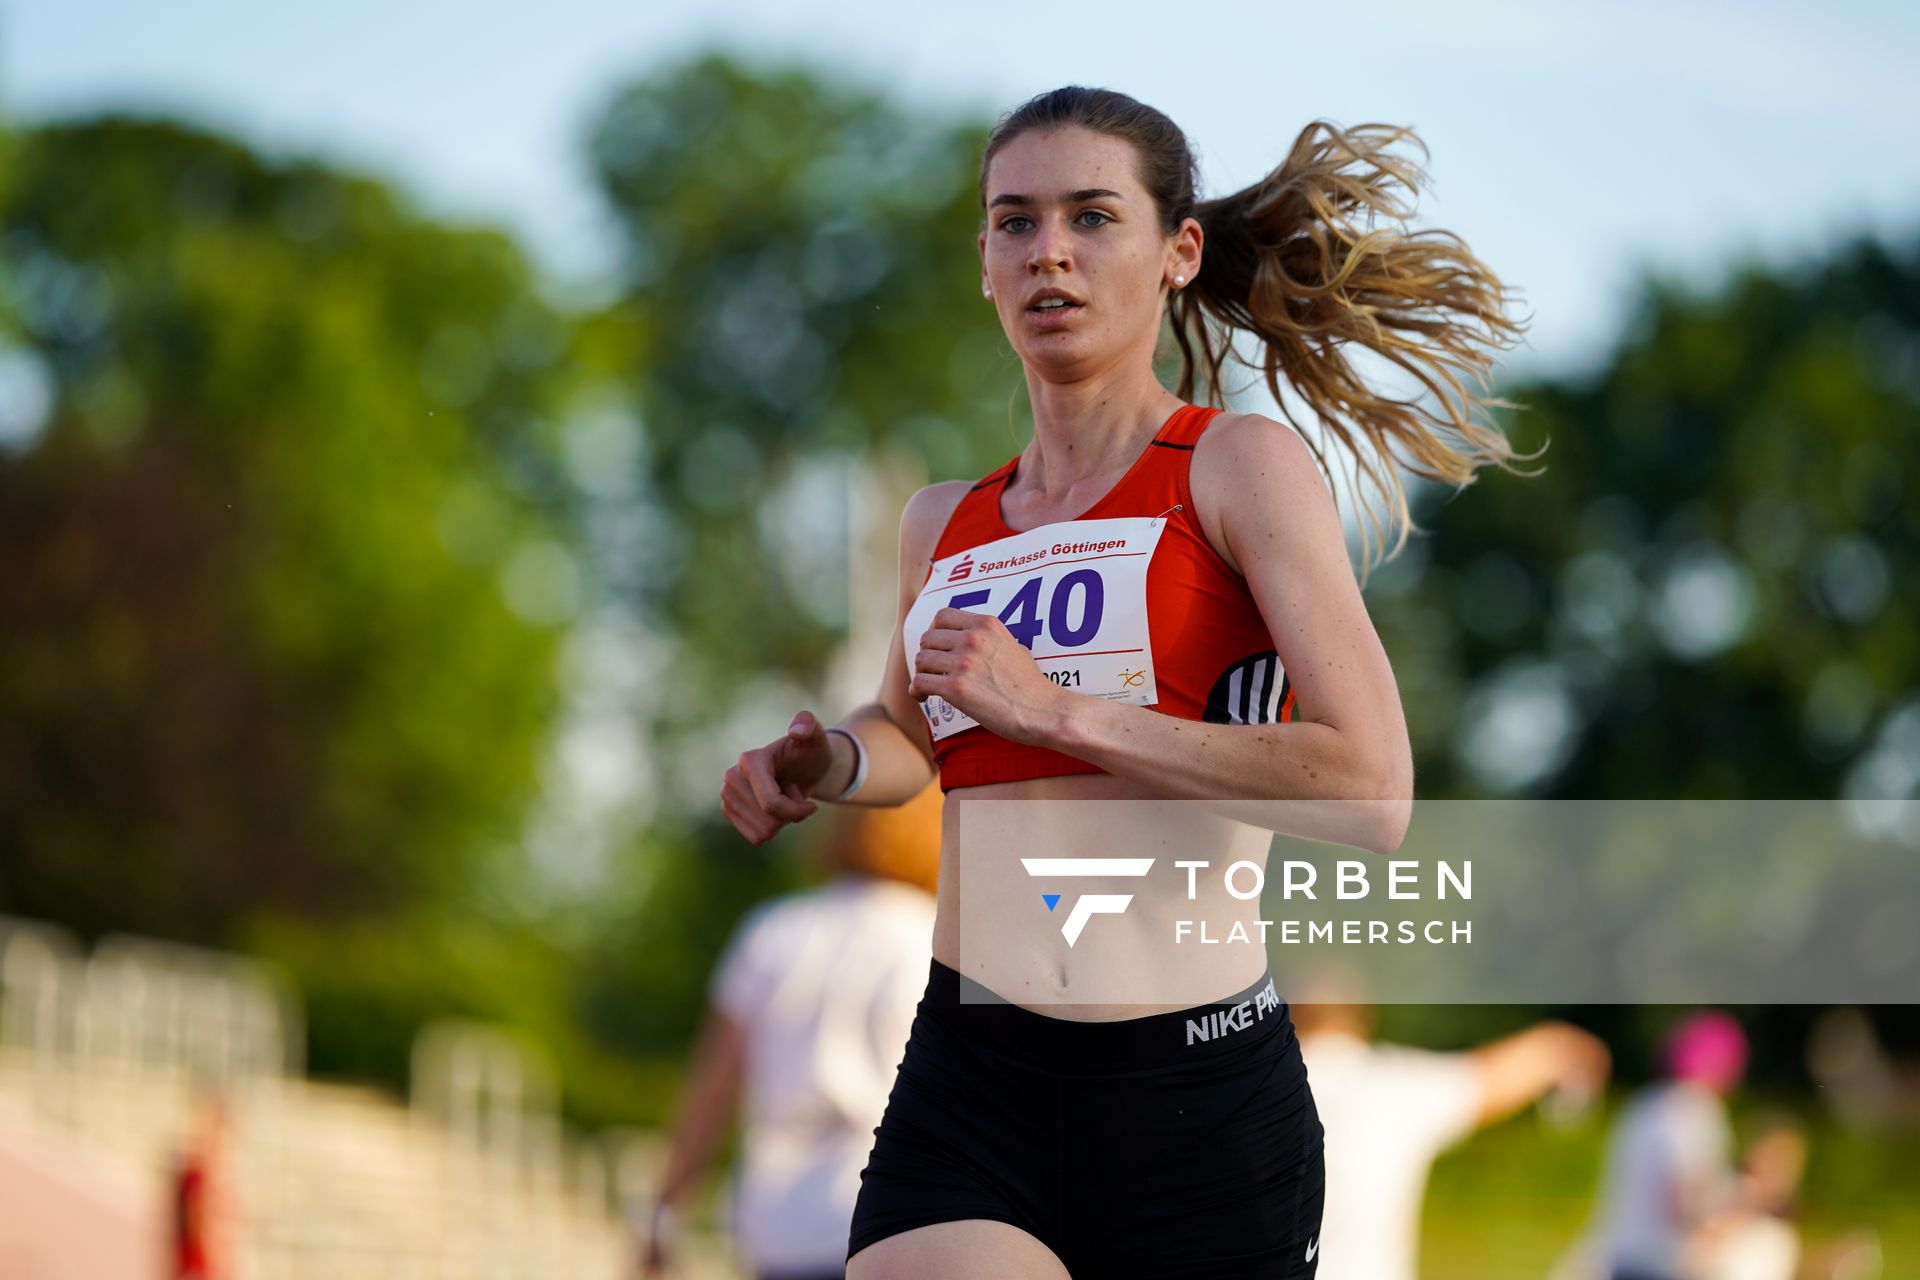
x=1180 y=1144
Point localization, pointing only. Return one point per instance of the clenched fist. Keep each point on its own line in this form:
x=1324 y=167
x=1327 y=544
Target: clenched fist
x=767 y=788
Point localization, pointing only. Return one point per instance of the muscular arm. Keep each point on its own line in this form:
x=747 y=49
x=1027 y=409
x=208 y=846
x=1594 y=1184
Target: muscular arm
x=899 y=749
x=1261 y=494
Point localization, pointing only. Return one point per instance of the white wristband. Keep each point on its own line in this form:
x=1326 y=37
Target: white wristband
x=859 y=765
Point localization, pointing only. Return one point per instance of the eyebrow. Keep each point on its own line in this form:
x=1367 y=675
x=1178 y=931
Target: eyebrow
x=1072 y=197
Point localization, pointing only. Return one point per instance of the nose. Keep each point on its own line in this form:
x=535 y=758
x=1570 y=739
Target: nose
x=1050 y=249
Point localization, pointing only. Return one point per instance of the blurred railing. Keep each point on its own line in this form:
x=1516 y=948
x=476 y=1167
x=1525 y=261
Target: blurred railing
x=112 y=1051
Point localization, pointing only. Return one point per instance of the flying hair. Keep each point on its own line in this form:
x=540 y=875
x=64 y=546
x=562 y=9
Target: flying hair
x=1315 y=261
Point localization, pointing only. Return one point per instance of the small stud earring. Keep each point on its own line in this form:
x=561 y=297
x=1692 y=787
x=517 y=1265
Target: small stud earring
x=986 y=291
x=1179 y=281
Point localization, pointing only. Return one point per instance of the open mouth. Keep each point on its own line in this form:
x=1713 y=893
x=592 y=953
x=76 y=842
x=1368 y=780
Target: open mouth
x=1053 y=306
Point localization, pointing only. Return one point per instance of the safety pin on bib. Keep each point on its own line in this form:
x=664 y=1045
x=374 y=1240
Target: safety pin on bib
x=1164 y=514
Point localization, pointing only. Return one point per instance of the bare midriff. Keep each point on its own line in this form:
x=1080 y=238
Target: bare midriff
x=1013 y=944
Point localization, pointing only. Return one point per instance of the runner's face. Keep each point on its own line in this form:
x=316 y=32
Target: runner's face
x=1066 y=211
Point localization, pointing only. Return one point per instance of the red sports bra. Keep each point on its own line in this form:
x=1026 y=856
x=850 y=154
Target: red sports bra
x=1213 y=656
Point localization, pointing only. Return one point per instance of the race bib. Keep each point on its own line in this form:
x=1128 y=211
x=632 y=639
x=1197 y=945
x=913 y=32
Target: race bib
x=1074 y=593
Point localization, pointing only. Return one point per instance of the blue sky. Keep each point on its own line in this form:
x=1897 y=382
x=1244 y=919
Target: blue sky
x=1573 y=144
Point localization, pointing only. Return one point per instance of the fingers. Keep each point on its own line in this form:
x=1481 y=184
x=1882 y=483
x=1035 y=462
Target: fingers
x=791 y=790
x=952 y=660
x=957 y=629
x=934 y=674
x=766 y=789
x=757 y=769
x=759 y=820
x=803 y=755
x=754 y=795
x=744 y=812
x=945 y=670
x=941 y=662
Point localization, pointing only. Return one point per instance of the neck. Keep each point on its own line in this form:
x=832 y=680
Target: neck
x=1087 y=430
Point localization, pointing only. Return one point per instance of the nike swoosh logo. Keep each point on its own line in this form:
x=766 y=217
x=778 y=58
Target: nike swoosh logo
x=1313 y=1247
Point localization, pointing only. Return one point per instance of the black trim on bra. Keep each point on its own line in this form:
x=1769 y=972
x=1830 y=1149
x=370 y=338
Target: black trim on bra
x=1168 y=444
x=990 y=480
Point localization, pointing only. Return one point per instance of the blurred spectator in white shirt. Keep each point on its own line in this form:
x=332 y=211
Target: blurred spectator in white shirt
x=810 y=1008
x=1389 y=1111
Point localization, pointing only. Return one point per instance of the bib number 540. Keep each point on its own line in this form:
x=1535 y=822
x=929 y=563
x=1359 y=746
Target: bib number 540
x=1080 y=591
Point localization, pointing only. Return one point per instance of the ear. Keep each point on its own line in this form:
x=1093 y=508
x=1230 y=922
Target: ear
x=1184 y=251
x=985 y=283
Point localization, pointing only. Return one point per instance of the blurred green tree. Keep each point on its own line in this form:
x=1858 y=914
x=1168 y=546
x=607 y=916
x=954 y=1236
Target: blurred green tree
x=801 y=291
x=1699 y=597
x=279 y=626
x=802 y=280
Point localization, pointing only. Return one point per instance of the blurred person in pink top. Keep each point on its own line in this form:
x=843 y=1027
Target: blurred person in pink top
x=1669 y=1165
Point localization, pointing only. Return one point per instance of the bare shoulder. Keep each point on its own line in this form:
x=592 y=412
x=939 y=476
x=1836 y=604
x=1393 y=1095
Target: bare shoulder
x=926 y=514
x=1248 y=467
x=1242 y=451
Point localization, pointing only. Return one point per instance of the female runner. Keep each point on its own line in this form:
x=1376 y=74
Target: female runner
x=1038 y=1127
